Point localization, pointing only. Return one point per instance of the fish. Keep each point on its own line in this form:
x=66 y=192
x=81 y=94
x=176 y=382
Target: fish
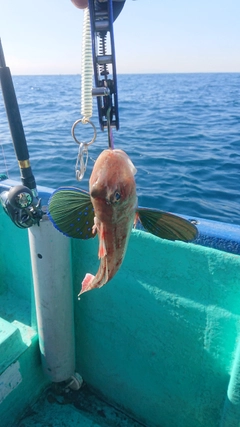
x=113 y=194
x=110 y=210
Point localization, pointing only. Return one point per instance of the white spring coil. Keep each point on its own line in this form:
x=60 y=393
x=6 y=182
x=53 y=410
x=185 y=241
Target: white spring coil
x=87 y=68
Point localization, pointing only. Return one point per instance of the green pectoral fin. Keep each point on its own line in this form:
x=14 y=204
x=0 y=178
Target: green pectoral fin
x=71 y=212
x=166 y=225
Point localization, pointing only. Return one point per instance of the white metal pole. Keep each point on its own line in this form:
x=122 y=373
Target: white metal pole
x=51 y=267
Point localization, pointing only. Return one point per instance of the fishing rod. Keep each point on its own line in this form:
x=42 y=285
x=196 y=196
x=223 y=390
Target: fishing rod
x=21 y=202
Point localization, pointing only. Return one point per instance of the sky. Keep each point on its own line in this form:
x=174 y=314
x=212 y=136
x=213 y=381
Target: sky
x=154 y=36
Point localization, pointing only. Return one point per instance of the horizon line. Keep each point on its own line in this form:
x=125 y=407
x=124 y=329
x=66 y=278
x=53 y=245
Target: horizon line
x=135 y=73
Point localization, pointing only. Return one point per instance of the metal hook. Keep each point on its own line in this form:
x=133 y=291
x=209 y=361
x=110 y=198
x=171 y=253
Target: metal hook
x=82 y=157
x=82 y=160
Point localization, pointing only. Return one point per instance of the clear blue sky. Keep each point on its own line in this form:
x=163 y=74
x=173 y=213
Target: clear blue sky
x=152 y=36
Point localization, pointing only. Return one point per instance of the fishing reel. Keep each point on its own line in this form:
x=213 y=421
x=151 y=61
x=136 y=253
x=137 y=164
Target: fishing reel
x=21 y=206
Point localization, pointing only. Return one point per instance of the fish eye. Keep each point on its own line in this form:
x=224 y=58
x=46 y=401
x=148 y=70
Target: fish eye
x=117 y=196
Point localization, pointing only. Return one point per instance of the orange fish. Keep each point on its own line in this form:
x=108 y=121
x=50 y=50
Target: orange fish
x=113 y=195
x=110 y=210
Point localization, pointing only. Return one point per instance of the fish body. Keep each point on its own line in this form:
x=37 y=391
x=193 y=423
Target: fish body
x=114 y=199
x=110 y=211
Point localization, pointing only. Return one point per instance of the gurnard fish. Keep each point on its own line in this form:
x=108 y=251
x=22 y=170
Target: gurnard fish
x=110 y=211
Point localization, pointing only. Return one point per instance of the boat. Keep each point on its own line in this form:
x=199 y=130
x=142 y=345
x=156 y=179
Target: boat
x=157 y=347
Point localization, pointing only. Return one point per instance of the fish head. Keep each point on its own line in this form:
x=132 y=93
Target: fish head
x=112 y=185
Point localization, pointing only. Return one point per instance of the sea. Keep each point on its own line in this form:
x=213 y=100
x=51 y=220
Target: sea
x=182 y=132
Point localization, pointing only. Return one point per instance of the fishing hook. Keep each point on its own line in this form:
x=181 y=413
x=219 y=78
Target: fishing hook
x=82 y=157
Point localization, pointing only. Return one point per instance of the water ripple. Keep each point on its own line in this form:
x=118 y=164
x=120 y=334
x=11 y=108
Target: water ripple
x=182 y=132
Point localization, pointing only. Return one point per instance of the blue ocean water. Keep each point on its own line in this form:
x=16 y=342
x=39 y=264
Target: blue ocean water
x=182 y=132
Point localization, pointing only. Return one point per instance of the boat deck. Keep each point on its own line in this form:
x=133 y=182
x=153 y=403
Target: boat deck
x=59 y=408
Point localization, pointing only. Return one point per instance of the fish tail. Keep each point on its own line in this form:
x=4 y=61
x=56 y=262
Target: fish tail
x=91 y=282
x=86 y=283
